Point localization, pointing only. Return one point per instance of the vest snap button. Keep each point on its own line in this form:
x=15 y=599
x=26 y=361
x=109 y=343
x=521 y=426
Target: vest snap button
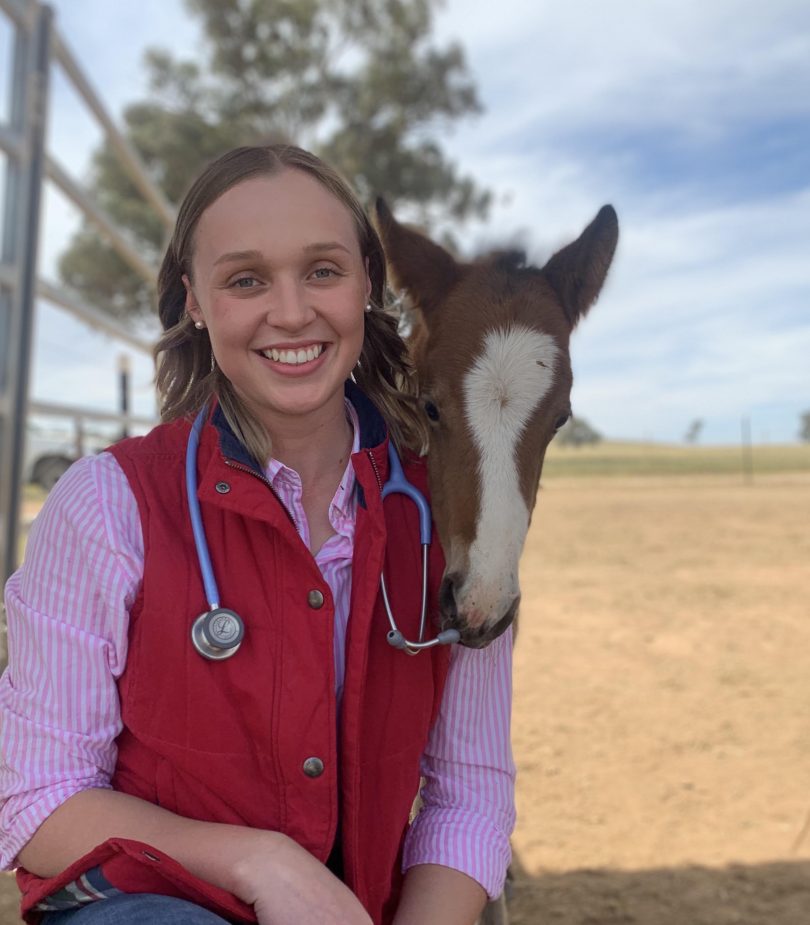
x=313 y=767
x=315 y=599
x=223 y=488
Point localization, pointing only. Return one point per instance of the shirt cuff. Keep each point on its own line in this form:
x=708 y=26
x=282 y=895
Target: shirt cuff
x=17 y=828
x=463 y=841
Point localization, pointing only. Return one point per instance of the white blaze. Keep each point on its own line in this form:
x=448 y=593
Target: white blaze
x=501 y=392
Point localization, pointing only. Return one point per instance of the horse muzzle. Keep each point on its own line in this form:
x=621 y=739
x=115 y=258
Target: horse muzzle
x=477 y=629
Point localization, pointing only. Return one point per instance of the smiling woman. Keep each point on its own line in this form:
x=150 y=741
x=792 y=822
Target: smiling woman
x=141 y=781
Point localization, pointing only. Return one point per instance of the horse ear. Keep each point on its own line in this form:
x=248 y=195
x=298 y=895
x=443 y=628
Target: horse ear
x=577 y=272
x=415 y=263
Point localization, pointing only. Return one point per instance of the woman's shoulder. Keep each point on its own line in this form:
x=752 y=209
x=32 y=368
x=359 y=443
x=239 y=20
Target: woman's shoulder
x=88 y=475
x=167 y=438
x=93 y=487
x=89 y=521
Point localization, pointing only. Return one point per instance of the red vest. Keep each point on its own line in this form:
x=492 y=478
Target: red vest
x=226 y=741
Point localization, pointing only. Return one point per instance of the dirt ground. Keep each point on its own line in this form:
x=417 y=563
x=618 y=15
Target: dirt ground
x=662 y=694
x=661 y=721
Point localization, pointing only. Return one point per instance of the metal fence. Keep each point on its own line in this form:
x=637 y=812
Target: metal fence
x=37 y=48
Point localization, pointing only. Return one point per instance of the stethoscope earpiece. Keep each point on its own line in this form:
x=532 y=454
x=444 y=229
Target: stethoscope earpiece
x=396 y=640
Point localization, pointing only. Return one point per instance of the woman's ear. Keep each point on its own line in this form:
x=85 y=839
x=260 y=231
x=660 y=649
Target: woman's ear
x=192 y=306
x=368 y=281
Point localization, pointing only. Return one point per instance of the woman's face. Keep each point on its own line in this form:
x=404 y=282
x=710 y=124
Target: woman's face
x=279 y=282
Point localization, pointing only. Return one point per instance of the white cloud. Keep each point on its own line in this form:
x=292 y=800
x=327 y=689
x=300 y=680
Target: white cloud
x=686 y=63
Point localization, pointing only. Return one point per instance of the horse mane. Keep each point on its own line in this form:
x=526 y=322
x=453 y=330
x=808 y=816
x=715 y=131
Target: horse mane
x=509 y=260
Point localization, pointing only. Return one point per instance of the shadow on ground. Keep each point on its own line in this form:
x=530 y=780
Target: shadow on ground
x=766 y=894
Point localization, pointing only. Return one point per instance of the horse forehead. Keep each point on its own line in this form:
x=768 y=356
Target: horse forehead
x=513 y=370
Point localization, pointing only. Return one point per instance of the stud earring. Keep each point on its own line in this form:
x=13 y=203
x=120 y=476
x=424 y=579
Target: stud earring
x=199 y=325
x=369 y=306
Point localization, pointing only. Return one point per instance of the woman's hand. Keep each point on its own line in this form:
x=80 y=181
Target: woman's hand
x=286 y=885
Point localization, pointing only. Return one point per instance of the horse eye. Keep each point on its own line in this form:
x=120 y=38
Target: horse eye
x=561 y=421
x=431 y=411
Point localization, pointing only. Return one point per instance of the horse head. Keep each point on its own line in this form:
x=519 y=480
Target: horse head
x=491 y=352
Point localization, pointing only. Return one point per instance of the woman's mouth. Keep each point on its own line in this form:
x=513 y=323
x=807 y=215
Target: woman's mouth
x=293 y=356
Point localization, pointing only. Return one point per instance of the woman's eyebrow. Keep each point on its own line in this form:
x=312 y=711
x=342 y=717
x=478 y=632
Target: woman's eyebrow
x=322 y=246
x=238 y=255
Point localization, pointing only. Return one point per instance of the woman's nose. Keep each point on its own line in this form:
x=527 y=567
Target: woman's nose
x=289 y=307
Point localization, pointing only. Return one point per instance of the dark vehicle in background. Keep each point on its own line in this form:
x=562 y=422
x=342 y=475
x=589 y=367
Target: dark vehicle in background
x=50 y=451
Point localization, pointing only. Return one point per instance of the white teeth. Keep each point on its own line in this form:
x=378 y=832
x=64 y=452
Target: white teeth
x=294 y=357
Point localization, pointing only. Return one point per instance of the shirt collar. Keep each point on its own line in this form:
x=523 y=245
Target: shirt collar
x=277 y=473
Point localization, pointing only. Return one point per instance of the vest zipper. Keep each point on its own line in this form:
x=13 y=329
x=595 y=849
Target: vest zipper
x=232 y=464
x=373 y=462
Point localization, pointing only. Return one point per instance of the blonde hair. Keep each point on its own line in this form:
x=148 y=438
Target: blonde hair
x=187 y=374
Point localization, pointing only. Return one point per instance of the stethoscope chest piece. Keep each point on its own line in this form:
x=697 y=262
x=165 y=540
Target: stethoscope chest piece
x=217 y=633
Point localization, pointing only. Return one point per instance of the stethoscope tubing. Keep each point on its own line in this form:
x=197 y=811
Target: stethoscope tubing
x=398 y=484
x=203 y=556
x=204 y=633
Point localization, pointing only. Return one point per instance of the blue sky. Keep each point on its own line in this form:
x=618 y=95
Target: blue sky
x=692 y=118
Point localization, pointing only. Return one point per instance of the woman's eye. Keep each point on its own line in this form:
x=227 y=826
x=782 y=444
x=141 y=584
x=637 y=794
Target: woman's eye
x=245 y=282
x=323 y=273
x=561 y=421
x=431 y=411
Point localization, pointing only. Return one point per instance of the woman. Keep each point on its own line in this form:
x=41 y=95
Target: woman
x=273 y=786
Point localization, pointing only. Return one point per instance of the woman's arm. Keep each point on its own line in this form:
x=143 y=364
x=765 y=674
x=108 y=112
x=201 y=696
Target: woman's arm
x=468 y=808
x=67 y=616
x=284 y=883
x=435 y=895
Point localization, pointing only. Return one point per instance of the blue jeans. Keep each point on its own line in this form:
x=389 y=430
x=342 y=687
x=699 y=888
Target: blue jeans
x=136 y=909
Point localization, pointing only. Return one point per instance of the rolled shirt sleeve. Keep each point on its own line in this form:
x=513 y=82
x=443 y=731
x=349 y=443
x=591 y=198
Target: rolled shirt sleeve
x=67 y=613
x=468 y=796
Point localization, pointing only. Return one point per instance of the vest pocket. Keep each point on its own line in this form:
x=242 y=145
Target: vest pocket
x=219 y=788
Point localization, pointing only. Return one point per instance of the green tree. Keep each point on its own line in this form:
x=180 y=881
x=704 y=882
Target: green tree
x=694 y=431
x=361 y=82
x=804 y=426
x=578 y=432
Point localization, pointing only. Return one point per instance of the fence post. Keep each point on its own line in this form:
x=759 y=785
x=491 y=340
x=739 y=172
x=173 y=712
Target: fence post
x=123 y=390
x=747 y=451
x=19 y=253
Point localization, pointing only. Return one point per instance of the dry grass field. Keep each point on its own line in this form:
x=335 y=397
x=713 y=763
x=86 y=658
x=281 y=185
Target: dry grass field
x=662 y=691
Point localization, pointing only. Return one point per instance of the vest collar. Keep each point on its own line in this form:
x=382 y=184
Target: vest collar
x=373 y=431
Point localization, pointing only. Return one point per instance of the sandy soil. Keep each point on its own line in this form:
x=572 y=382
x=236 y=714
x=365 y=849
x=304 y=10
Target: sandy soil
x=661 y=727
x=662 y=683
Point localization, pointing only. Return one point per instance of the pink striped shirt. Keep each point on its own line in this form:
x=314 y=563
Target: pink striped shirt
x=68 y=612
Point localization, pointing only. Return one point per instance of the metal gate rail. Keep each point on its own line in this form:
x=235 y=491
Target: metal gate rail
x=37 y=46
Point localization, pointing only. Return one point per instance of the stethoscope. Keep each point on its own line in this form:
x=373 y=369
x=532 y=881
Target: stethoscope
x=218 y=632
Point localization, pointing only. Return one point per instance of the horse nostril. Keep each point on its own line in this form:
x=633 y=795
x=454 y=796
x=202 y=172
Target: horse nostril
x=447 y=598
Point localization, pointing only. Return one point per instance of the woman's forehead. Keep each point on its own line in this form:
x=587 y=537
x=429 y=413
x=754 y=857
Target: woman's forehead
x=289 y=208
